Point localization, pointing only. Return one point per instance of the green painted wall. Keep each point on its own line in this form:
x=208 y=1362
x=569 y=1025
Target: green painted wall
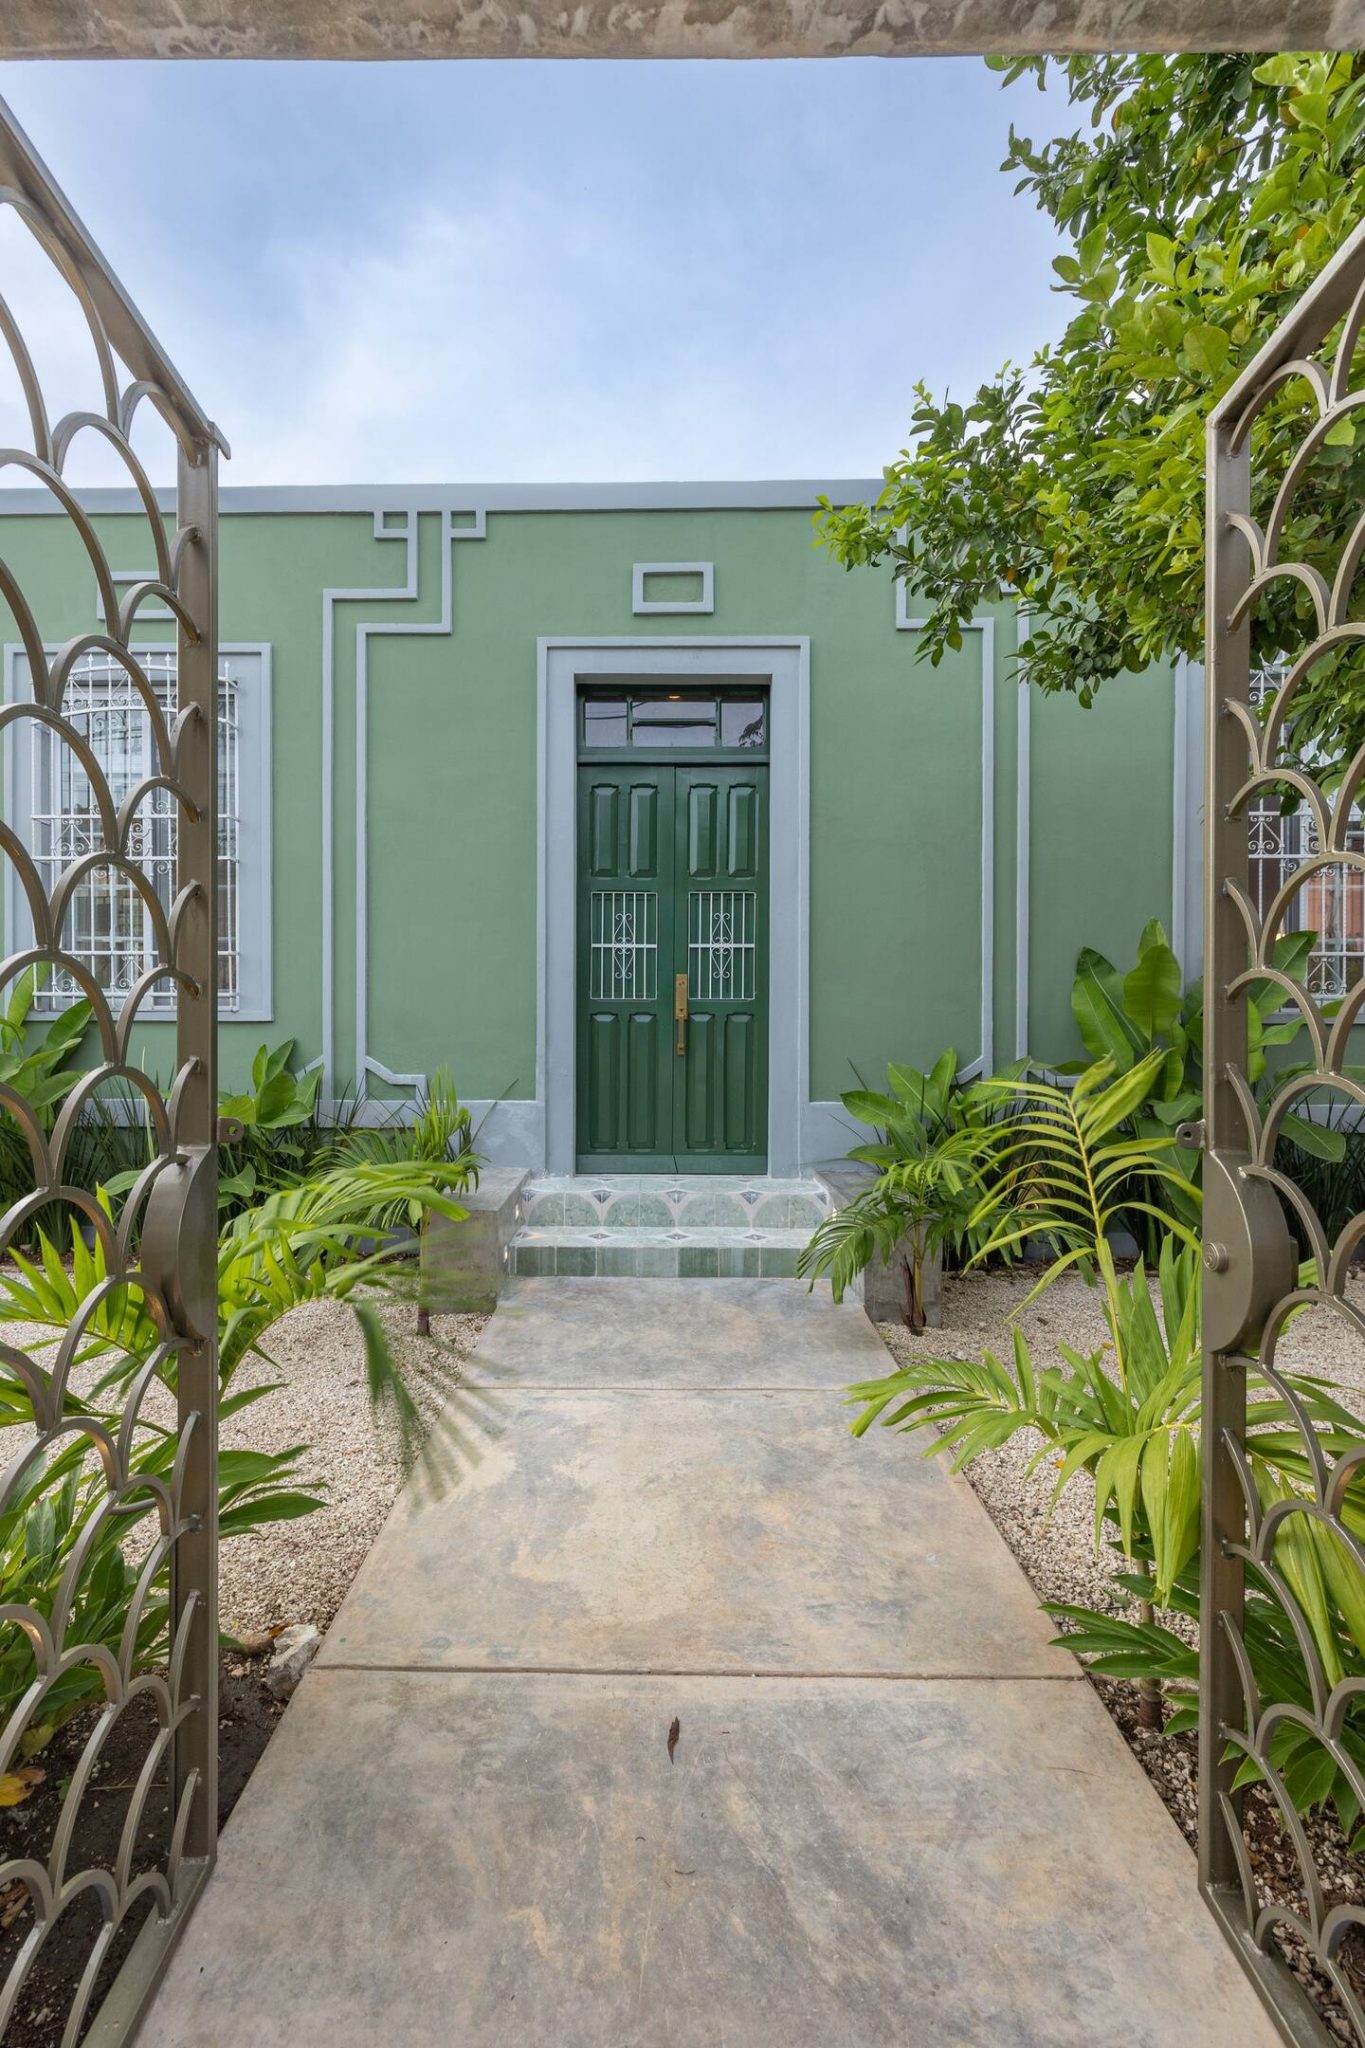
x=451 y=752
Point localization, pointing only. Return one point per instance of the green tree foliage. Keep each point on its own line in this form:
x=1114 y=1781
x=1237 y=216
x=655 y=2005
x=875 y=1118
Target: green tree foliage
x=1202 y=197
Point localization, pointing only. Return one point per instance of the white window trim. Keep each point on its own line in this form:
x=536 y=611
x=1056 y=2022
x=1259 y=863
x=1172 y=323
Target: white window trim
x=255 y=867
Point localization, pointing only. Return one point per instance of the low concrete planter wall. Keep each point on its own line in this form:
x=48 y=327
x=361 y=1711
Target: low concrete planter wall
x=881 y=1287
x=464 y=1265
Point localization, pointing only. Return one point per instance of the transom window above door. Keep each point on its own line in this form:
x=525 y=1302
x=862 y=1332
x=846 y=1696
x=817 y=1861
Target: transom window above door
x=634 y=721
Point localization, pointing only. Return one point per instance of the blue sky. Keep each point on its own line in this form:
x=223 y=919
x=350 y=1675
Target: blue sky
x=456 y=272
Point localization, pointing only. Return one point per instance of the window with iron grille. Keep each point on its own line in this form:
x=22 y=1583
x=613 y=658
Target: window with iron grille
x=1331 y=900
x=108 y=927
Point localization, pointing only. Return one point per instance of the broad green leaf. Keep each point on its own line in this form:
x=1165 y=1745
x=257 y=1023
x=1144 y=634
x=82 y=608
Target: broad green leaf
x=1320 y=1141
x=1097 y=1006
x=1206 y=348
x=1151 y=991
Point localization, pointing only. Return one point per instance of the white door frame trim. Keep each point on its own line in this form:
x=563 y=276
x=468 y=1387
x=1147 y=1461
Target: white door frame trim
x=783 y=663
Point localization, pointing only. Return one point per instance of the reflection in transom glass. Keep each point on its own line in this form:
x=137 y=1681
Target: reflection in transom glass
x=675 y=719
x=742 y=723
x=605 y=722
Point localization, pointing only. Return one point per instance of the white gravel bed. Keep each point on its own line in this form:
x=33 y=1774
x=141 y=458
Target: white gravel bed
x=299 y=1571
x=1057 y=1553
x=1057 y=1549
x=1054 y=1544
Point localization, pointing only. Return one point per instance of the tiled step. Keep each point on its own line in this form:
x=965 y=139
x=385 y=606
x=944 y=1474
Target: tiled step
x=661 y=1226
x=707 y=1252
x=681 y=1202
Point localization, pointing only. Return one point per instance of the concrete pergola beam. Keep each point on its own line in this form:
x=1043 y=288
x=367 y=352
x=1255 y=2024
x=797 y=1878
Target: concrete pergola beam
x=664 y=28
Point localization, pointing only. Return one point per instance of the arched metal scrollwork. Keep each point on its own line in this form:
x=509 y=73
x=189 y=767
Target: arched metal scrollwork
x=1283 y=1612
x=135 y=1469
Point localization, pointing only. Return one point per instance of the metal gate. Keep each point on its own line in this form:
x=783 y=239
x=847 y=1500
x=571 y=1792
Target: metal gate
x=1289 y=1570
x=133 y=1468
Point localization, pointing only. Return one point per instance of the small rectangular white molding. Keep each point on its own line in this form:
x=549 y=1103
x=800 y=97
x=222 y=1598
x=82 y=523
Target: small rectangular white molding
x=125 y=578
x=671 y=606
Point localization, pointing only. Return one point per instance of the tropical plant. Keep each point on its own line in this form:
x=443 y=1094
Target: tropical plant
x=1068 y=1165
x=930 y=1152
x=317 y=1240
x=1127 y=1017
x=1328 y=1589
x=1130 y=1414
x=1334 y=1187
x=1062 y=1167
x=37 y=1061
x=275 y=1119
x=439 y=1134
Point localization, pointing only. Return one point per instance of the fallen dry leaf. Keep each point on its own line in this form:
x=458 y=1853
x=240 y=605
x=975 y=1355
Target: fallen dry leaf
x=17 y=1786
x=674 y=1732
x=13 y=1900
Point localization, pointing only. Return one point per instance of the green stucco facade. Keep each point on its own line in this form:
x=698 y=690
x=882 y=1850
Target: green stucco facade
x=447 y=747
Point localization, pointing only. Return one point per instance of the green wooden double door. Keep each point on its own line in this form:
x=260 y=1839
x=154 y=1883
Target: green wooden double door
x=672 y=968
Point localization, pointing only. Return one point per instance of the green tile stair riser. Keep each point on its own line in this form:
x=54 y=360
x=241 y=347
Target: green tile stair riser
x=725 y=1211
x=622 y=1226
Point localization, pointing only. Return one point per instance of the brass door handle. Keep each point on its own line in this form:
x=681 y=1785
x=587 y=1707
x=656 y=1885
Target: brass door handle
x=680 y=1013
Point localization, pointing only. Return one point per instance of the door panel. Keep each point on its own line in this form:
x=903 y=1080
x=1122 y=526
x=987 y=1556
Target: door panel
x=700 y=800
x=672 y=883
x=604 y=809
x=644 y=829
x=742 y=835
x=625 y=944
x=721 y=919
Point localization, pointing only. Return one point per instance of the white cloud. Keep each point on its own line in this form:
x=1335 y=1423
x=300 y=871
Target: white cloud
x=668 y=271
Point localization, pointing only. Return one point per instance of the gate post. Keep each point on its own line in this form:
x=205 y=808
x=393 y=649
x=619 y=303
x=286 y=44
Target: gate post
x=1227 y=673
x=194 y=1573
x=1252 y=1501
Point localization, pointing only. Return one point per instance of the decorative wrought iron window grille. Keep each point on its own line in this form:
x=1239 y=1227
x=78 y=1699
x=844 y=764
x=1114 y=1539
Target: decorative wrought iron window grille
x=624 y=944
x=722 y=939
x=108 y=924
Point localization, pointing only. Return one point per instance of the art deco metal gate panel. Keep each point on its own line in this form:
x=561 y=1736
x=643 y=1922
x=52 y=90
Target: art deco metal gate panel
x=1283 y=1563
x=132 y=1468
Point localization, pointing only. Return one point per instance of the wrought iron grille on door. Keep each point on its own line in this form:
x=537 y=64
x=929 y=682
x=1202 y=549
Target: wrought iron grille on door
x=111 y=1473
x=1282 y=1664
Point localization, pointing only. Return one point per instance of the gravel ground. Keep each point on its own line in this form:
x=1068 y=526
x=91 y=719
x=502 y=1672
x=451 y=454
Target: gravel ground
x=299 y=1571
x=1057 y=1552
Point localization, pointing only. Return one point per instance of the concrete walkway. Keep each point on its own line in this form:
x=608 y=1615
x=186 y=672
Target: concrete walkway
x=893 y=1814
